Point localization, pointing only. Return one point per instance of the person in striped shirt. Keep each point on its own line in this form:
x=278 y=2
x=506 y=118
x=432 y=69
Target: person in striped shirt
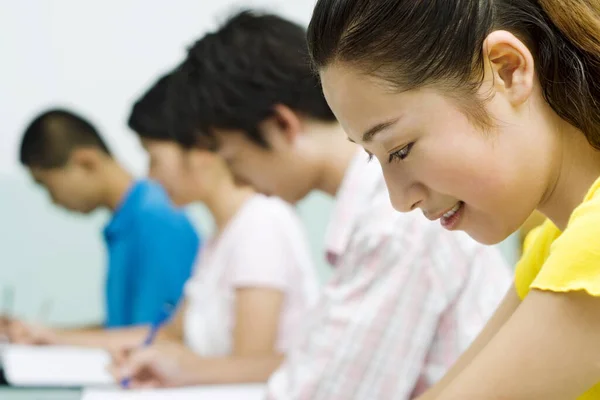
x=406 y=296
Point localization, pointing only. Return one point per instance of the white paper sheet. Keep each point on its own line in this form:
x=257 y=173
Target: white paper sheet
x=56 y=366
x=225 y=392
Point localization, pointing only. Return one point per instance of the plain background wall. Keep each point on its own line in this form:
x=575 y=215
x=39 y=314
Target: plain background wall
x=94 y=57
x=99 y=56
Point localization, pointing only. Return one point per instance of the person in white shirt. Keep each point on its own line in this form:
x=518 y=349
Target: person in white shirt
x=254 y=279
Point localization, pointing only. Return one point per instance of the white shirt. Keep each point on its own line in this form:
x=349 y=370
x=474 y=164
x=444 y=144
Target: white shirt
x=264 y=245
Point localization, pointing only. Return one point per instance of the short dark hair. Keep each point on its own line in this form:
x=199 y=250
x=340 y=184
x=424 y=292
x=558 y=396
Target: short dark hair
x=148 y=118
x=233 y=78
x=52 y=136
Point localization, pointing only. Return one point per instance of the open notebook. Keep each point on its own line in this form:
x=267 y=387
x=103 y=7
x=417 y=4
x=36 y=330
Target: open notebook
x=56 y=366
x=225 y=392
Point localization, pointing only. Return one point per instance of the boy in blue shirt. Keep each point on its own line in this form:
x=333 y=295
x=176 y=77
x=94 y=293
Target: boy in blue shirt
x=151 y=244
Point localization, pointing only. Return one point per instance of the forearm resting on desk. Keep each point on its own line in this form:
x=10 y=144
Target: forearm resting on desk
x=112 y=338
x=24 y=333
x=102 y=337
x=172 y=365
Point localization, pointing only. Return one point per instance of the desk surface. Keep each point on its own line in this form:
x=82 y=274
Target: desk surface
x=39 y=394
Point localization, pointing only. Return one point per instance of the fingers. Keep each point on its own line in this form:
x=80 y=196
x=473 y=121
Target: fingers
x=22 y=333
x=120 y=354
x=40 y=336
x=140 y=369
x=146 y=368
x=19 y=333
x=120 y=359
x=5 y=322
x=140 y=362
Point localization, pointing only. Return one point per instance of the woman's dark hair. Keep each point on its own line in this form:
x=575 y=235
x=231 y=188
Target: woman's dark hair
x=148 y=117
x=416 y=43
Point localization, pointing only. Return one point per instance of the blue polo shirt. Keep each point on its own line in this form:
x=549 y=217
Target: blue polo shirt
x=151 y=251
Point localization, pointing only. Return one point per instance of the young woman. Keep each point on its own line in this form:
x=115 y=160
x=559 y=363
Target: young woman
x=481 y=111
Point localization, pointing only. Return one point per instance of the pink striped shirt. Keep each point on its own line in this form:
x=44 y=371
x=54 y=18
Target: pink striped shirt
x=406 y=299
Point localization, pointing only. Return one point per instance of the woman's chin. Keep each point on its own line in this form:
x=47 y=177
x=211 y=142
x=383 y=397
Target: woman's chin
x=488 y=236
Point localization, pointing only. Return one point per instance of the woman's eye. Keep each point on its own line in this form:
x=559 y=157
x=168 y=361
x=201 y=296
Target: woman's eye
x=401 y=154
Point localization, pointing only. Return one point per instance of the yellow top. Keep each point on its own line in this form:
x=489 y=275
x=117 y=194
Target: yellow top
x=565 y=261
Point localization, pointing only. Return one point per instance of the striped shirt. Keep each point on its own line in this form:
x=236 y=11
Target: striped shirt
x=406 y=299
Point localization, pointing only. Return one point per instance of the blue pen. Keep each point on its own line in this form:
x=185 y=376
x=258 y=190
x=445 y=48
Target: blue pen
x=165 y=315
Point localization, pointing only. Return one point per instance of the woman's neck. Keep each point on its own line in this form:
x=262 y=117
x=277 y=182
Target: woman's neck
x=224 y=202
x=578 y=168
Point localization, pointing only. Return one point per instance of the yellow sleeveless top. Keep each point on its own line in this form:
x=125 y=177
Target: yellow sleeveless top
x=565 y=261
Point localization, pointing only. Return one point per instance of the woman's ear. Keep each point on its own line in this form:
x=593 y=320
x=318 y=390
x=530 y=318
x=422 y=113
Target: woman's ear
x=512 y=66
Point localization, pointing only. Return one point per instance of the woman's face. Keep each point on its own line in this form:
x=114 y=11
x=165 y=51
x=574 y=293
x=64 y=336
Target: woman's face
x=167 y=167
x=482 y=181
x=188 y=175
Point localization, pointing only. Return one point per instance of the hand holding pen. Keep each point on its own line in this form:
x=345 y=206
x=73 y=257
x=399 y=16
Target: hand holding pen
x=163 y=317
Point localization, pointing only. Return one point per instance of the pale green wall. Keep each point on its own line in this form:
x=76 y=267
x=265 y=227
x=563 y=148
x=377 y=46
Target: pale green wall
x=49 y=254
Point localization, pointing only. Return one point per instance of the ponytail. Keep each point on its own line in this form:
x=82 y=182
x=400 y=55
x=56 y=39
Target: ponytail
x=574 y=92
x=578 y=20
